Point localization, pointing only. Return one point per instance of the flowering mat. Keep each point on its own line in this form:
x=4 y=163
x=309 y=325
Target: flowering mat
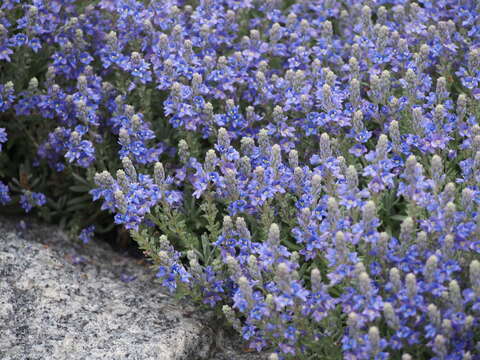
x=308 y=171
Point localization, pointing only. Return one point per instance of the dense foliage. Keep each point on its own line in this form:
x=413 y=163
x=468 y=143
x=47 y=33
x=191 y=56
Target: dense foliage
x=311 y=168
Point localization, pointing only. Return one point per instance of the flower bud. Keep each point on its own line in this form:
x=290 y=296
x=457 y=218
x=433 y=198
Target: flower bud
x=233 y=266
x=33 y=84
x=341 y=247
x=383 y=35
x=330 y=77
x=164 y=258
x=247 y=145
x=293 y=158
x=264 y=141
x=316 y=280
x=374 y=341
x=245 y=288
x=461 y=106
x=447 y=329
x=129 y=168
x=210 y=161
x=439 y=115
x=305 y=216
x=441 y=90
x=104 y=179
x=382 y=15
x=455 y=295
x=357 y=121
x=120 y=201
x=376 y=88
x=229 y=314
x=407 y=229
x=183 y=151
x=385 y=83
x=275 y=33
x=327 y=98
x=242 y=228
x=440 y=347
x=208 y=111
x=474 y=60
x=163 y=242
x=430 y=268
x=353 y=323
x=352 y=178
x=390 y=317
x=254 y=268
x=411 y=283
x=250 y=114
x=449 y=193
x=369 y=212
x=364 y=283
x=245 y=166
x=382 y=244
x=333 y=214
x=395 y=279
x=223 y=138
x=274 y=235
x=298 y=81
x=316 y=185
x=417 y=121
x=411 y=166
x=359 y=268
x=468 y=196
x=75 y=138
x=382 y=147
x=326 y=30
x=123 y=180
x=325 y=147
x=434 y=315
x=366 y=17
x=475 y=277
x=449 y=213
x=469 y=320
x=260 y=174
x=227 y=227
x=159 y=174
x=283 y=276
x=411 y=80
x=448 y=245
x=231 y=184
x=276 y=156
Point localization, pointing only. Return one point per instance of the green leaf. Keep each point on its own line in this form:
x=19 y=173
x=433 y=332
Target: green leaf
x=79 y=188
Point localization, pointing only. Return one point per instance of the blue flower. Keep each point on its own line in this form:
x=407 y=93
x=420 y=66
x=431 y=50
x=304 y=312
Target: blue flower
x=4 y=194
x=32 y=199
x=87 y=233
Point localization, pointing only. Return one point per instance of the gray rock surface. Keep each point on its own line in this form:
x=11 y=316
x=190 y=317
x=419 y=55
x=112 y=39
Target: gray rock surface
x=61 y=300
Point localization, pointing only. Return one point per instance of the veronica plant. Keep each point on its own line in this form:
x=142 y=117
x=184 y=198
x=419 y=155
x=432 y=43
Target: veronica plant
x=308 y=169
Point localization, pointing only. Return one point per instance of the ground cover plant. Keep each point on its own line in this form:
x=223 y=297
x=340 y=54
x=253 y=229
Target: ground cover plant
x=310 y=169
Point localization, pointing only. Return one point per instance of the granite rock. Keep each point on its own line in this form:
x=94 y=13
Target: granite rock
x=64 y=300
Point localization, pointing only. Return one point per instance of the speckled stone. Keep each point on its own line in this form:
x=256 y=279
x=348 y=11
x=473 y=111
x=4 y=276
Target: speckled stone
x=65 y=300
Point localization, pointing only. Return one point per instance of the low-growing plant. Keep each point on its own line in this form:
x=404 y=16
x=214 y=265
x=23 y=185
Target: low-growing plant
x=307 y=169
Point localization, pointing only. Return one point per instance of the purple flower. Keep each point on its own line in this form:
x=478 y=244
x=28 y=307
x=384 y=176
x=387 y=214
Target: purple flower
x=32 y=199
x=4 y=194
x=87 y=233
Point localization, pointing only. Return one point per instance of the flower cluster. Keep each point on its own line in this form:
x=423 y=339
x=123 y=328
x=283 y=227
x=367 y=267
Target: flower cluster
x=325 y=190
